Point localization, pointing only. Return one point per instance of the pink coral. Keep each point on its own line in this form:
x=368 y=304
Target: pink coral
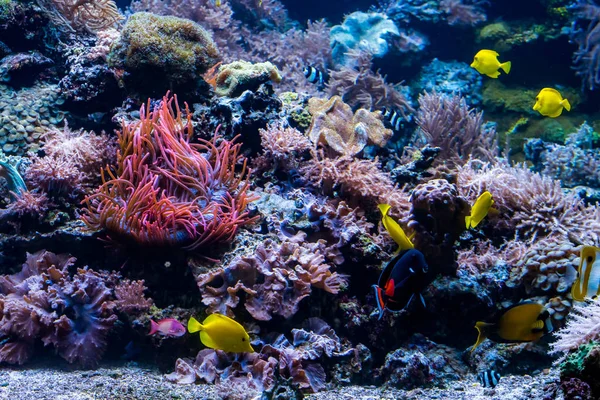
x=274 y=280
x=463 y=12
x=130 y=297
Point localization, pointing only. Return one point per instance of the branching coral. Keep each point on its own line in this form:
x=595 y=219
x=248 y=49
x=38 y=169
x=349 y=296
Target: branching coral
x=360 y=87
x=447 y=122
x=344 y=131
x=533 y=204
x=360 y=180
x=274 y=280
x=284 y=146
x=582 y=327
x=585 y=33
x=74 y=313
x=165 y=190
x=463 y=12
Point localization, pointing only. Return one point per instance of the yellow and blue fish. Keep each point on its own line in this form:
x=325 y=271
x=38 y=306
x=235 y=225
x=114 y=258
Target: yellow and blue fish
x=222 y=333
x=525 y=322
x=550 y=103
x=486 y=63
x=394 y=229
x=479 y=210
x=587 y=284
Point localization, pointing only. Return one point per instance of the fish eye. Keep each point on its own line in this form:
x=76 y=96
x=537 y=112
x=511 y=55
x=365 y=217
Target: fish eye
x=476 y=58
x=243 y=339
x=590 y=259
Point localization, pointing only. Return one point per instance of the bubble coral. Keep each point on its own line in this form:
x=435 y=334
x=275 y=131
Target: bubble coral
x=168 y=191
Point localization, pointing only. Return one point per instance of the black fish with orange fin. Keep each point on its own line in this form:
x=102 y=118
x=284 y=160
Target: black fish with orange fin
x=403 y=278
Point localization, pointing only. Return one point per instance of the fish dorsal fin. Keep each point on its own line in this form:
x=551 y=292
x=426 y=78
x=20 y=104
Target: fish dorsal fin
x=220 y=319
x=552 y=90
x=207 y=340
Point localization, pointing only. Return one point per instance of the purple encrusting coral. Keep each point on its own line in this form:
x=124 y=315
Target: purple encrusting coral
x=74 y=313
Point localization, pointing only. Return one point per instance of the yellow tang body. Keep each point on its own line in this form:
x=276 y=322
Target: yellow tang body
x=587 y=283
x=479 y=210
x=222 y=333
x=486 y=63
x=550 y=103
x=523 y=322
x=394 y=229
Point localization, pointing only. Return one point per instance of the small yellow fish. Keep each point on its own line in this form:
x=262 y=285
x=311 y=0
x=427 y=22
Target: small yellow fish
x=486 y=63
x=218 y=3
x=549 y=103
x=523 y=322
x=479 y=210
x=394 y=229
x=587 y=284
x=222 y=333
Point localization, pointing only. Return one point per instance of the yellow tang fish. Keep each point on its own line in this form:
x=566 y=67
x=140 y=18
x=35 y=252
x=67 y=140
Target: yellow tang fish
x=486 y=63
x=549 y=103
x=479 y=210
x=222 y=333
x=587 y=283
x=523 y=322
x=394 y=229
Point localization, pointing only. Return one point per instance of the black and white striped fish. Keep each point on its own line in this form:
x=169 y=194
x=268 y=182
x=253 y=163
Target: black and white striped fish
x=392 y=117
x=314 y=75
x=489 y=378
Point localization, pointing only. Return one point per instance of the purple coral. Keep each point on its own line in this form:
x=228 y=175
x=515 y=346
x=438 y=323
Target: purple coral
x=74 y=313
x=274 y=279
x=463 y=12
x=586 y=34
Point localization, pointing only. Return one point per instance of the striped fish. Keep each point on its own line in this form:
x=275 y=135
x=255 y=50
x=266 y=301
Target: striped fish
x=314 y=75
x=392 y=117
x=587 y=284
x=489 y=378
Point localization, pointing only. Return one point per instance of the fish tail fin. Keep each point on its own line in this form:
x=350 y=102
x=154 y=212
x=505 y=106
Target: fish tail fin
x=482 y=328
x=194 y=326
x=468 y=221
x=379 y=300
x=153 y=327
x=565 y=103
x=506 y=66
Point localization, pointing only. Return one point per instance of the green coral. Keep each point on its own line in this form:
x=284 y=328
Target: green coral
x=239 y=76
x=6 y=9
x=494 y=31
x=159 y=53
x=574 y=364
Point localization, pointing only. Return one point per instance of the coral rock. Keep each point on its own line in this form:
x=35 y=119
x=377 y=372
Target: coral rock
x=235 y=78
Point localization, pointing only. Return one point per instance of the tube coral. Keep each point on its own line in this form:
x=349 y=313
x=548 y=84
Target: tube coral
x=166 y=190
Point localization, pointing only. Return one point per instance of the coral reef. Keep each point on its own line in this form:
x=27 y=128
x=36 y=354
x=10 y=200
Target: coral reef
x=584 y=33
x=170 y=52
x=451 y=78
x=166 y=191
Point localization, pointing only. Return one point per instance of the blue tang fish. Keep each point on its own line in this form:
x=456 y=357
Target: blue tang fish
x=404 y=276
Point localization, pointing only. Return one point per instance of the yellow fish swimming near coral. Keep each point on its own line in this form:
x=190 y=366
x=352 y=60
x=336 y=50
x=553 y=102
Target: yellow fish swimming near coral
x=550 y=103
x=587 y=284
x=486 y=63
x=479 y=210
x=394 y=229
x=222 y=333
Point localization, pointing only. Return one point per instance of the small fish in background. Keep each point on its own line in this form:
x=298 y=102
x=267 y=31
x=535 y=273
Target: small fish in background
x=314 y=75
x=403 y=278
x=525 y=322
x=479 y=210
x=168 y=327
x=218 y=3
x=587 y=282
x=392 y=117
x=486 y=63
x=222 y=333
x=550 y=103
x=394 y=229
x=489 y=378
